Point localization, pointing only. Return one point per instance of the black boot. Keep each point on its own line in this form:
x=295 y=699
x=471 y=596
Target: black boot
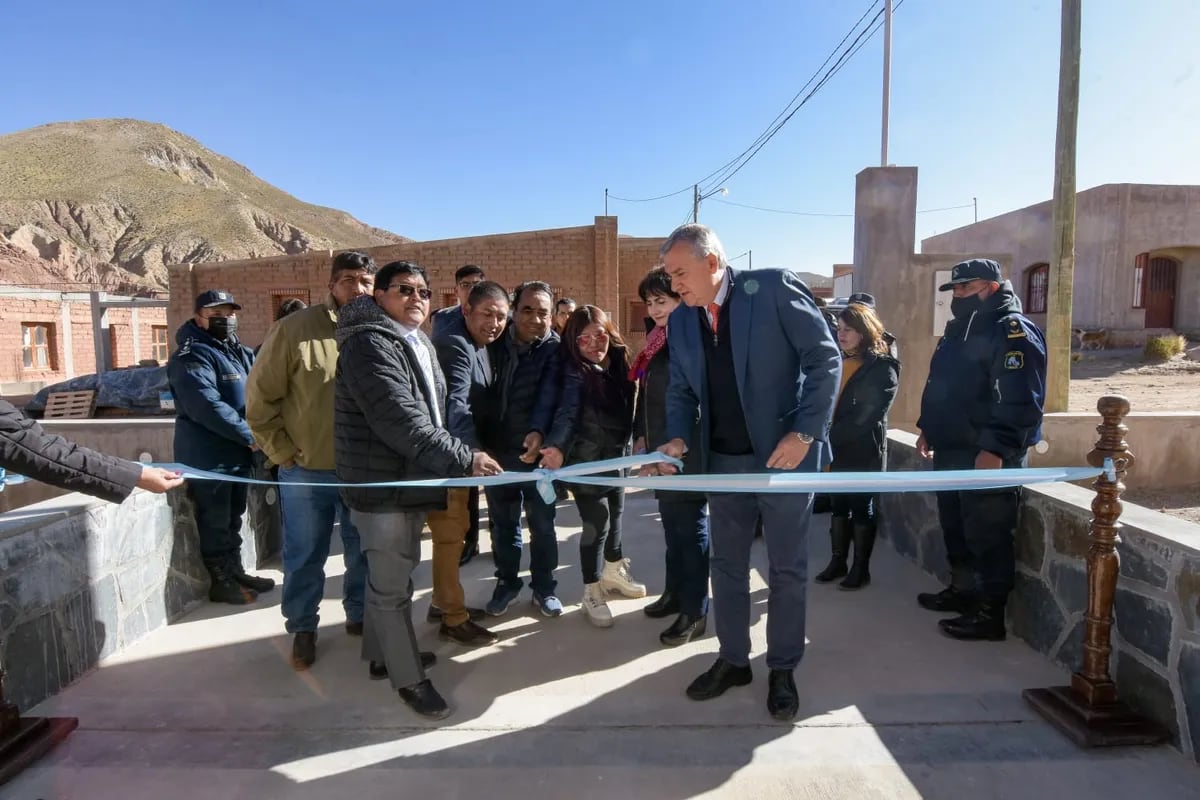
x=226 y=589
x=304 y=650
x=254 y=582
x=984 y=623
x=666 y=605
x=957 y=598
x=864 y=543
x=839 y=534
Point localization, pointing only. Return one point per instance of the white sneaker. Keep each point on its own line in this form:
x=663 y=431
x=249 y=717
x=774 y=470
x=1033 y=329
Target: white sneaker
x=595 y=607
x=616 y=577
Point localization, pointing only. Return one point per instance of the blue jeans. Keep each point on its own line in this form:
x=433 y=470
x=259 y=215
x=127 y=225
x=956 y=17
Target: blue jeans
x=308 y=516
x=504 y=510
x=685 y=527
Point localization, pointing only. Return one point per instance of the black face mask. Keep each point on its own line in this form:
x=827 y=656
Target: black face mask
x=222 y=328
x=965 y=306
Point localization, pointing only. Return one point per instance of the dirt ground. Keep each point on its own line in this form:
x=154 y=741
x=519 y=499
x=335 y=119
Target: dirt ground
x=1172 y=386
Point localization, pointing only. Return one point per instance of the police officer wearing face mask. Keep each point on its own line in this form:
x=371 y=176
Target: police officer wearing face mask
x=981 y=409
x=208 y=380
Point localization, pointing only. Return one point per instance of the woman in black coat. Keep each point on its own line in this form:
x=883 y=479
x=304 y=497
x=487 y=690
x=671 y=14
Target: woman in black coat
x=858 y=436
x=684 y=514
x=594 y=420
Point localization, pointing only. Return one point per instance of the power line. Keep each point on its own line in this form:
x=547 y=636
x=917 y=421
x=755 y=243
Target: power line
x=775 y=124
x=861 y=40
x=827 y=214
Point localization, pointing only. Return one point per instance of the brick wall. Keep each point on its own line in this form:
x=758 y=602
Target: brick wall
x=581 y=262
x=67 y=318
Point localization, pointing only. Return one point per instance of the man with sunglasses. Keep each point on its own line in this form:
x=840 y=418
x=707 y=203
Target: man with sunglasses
x=390 y=425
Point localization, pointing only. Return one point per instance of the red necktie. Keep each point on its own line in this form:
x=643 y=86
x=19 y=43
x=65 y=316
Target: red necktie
x=714 y=309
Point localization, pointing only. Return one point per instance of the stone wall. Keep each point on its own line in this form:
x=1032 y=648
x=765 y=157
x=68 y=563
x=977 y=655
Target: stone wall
x=81 y=579
x=1156 y=639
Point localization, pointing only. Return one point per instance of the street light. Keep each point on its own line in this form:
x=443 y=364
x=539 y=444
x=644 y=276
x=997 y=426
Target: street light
x=697 y=197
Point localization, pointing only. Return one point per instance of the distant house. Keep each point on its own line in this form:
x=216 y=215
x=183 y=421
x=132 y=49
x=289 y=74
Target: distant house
x=1137 y=257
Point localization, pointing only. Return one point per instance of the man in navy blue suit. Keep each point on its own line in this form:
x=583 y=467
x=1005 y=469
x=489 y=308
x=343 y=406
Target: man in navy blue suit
x=769 y=412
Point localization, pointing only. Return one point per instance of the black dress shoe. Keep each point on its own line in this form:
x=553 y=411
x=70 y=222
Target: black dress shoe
x=435 y=614
x=783 y=701
x=468 y=633
x=683 y=630
x=720 y=676
x=304 y=650
x=253 y=582
x=354 y=628
x=948 y=601
x=379 y=671
x=666 y=605
x=425 y=700
x=470 y=550
x=983 y=624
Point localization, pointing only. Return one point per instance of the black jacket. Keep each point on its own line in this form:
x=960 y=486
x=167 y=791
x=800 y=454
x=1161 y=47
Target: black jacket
x=650 y=420
x=594 y=420
x=27 y=449
x=858 y=433
x=526 y=396
x=470 y=380
x=987 y=381
x=383 y=419
x=208 y=382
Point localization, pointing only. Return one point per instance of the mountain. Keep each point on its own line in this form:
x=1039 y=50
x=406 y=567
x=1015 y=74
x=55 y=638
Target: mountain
x=113 y=201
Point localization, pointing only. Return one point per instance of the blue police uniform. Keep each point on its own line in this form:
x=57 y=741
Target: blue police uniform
x=985 y=393
x=208 y=382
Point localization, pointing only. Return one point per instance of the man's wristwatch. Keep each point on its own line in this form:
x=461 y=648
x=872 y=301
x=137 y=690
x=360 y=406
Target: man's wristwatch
x=804 y=437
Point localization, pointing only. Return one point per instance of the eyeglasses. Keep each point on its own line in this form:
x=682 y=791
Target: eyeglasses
x=592 y=338
x=467 y=284
x=406 y=290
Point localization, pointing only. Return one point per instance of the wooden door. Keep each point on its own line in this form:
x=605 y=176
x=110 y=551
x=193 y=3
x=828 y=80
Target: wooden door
x=1162 y=278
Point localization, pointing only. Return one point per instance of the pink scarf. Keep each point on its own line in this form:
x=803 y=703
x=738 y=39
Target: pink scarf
x=655 y=341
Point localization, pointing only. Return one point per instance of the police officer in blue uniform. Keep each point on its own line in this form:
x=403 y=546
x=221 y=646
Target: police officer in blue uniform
x=981 y=409
x=208 y=380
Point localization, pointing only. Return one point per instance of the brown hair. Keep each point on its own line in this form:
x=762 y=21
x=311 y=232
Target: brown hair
x=582 y=317
x=862 y=319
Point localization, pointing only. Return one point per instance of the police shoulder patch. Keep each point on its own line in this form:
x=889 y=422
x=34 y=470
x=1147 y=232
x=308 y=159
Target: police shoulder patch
x=1015 y=331
x=1014 y=359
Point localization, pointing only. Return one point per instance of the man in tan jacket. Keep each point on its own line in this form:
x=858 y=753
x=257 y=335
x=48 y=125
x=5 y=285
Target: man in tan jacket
x=289 y=407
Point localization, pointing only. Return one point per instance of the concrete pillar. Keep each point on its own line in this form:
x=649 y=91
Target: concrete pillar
x=100 y=332
x=607 y=270
x=68 y=351
x=137 y=335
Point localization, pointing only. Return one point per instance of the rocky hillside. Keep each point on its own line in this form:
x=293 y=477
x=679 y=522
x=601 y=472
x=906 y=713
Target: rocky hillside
x=113 y=202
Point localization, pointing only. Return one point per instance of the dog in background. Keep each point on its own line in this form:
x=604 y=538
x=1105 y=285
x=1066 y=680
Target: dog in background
x=1091 y=340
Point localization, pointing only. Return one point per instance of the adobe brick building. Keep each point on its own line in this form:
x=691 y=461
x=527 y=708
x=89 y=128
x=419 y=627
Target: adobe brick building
x=47 y=336
x=590 y=264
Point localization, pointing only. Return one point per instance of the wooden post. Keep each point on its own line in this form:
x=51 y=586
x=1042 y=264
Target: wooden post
x=1088 y=710
x=25 y=740
x=1062 y=267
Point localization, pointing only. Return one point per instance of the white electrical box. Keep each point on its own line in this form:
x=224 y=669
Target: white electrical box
x=941 y=302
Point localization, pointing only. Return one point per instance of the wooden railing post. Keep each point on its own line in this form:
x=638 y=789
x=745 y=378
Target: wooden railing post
x=1088 y=710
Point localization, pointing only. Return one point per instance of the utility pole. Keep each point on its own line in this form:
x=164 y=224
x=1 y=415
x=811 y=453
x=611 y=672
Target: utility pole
x=887 y=78
x=749 y=259
x=975 y=202
x=695 y=202
x=1062 y=267
x=606 y=201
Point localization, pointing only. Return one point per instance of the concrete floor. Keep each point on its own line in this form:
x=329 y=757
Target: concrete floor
x=889 y=708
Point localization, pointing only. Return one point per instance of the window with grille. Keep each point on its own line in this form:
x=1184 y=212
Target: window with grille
x=36 y=339
x=1037 y=284
x=1139 y=279
x=159 y=350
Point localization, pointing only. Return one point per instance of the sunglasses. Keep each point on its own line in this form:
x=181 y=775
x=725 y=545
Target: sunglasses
x=407 y=290
x=592 y=338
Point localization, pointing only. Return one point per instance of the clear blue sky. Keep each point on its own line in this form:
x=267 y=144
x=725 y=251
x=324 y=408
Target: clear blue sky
x=442 y=120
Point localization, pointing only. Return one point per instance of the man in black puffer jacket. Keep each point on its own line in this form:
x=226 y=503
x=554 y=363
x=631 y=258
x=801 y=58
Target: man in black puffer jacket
x=390 y=425
x=981 y=409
